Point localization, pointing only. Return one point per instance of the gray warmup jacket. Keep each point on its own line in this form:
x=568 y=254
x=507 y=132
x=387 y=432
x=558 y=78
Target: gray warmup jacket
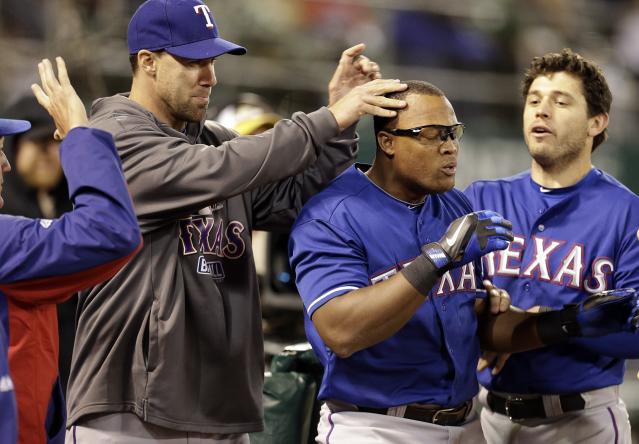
x=175 y=336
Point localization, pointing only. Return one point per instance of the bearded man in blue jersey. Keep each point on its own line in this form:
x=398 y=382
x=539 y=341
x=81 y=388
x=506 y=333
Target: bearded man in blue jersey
x=575 y=234
x=387 y=265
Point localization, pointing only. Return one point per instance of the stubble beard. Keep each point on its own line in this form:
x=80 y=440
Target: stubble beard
x=188 y=113
x=558 y=158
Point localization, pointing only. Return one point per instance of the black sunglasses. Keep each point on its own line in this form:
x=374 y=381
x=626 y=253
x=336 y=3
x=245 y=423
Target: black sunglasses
x=432 y=132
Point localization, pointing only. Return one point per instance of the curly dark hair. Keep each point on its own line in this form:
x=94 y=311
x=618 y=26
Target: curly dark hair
x=595 y=88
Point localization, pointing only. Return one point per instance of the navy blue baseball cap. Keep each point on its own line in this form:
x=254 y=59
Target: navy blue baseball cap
x=9 y=127
x=184 y=28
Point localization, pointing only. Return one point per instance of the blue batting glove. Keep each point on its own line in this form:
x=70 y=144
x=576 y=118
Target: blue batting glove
x=608 y=312
x=468 y=238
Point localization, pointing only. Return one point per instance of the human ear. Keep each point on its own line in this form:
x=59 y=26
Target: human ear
x=386 y=143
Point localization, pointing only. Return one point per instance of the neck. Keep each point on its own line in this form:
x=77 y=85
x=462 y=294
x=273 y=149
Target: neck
x=387 y=180
x=561 y=175
x=145 y=97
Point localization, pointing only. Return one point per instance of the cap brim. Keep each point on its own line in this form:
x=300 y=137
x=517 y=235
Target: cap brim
x=11 y=126
x=206 y=49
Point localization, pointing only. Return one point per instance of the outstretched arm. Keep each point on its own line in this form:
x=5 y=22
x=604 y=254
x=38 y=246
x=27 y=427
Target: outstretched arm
x=603 y=313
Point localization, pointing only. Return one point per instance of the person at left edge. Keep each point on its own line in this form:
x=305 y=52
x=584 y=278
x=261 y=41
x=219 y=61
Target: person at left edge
x=45 y=261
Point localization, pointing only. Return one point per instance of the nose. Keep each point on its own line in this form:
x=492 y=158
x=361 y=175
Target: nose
x=450 y=146
x=543 y=110
x=4 y=164
x=207 y=74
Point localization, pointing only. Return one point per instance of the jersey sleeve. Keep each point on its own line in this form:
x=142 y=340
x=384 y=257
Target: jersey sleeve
x=169 y=177
x=275 y=206
x=45 y=261
x=622 y=345
x=327 y=263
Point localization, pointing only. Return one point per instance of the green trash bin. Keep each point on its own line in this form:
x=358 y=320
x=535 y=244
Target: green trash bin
x=291 y=410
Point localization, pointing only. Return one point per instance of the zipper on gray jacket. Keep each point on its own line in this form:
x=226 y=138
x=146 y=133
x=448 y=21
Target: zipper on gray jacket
x=145 y=401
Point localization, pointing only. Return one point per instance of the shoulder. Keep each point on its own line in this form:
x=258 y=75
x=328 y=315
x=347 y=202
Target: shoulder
x=341 y=197
x=607 y=191
x=497 y=185
x=119 y=115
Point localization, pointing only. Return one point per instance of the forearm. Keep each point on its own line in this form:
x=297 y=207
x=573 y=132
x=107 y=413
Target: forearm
x=275 y=206
x=367 y=316
x=511 y=331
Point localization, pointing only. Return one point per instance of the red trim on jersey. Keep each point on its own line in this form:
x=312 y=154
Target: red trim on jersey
x=33 y=340
x=57 y=289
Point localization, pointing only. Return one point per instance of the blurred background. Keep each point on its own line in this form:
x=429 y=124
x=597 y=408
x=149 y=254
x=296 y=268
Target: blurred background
x=475 y=51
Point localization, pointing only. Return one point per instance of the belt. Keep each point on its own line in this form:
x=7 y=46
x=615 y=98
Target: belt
x=427 y=413
x=518 y=408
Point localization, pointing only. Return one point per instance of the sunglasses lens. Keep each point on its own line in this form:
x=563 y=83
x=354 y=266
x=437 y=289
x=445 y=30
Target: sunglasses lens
x=457 y=131
x=433 y=132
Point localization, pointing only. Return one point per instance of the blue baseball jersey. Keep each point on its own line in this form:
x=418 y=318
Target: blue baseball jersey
x=45 y=261
x=569 y=243
x=352 y=235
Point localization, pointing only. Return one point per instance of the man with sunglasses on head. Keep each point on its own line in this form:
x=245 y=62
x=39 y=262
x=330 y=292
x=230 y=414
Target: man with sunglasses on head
x=387 y=265
x=576 y=233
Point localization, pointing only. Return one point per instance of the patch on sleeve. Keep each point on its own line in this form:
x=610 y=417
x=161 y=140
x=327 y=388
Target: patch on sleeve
x=46 y=223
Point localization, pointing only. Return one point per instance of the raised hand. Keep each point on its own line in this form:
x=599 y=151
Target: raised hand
x=58 y=97
x=368 y=99
x=468 y=238
x=353 y=69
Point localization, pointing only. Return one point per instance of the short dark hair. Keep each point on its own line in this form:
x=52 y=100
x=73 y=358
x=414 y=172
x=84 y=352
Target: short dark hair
x=595 y=88
x=133 y=60
x=414 y=87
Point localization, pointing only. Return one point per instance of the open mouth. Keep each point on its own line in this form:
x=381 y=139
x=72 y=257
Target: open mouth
x=540 y=131
x=450 y=169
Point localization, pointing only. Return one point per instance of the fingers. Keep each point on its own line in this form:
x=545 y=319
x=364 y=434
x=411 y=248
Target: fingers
x=367 y=67
x=41 y=96
x=63 y=76
x=385 y=102
x=49 y=82
x=484 y=361
x=499 y=363
x=366 y=99
x=352 y=52
x=494 y=360
x=498 y=297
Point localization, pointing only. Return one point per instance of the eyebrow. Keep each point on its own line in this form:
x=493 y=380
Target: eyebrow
x=554 y=92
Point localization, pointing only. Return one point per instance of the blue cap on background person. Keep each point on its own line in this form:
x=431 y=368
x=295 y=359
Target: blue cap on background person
x=9 y=127
x=184 y=28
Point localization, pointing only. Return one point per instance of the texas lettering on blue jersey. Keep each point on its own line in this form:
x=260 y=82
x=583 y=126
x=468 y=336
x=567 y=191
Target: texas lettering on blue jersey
x=352 y=235
x=569 y=243
x=43 y=262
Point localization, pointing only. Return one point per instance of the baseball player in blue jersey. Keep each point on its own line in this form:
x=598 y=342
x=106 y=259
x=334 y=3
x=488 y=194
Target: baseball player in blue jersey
x=45 y=261
x=387 y=267
x=575 y=234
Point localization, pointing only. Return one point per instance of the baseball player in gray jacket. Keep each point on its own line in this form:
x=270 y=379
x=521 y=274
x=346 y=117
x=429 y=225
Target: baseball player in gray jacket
x=172 y=345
